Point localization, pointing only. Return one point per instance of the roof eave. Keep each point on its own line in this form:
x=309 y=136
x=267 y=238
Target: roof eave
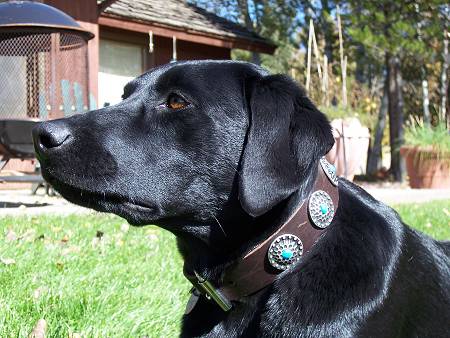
x=125 y=23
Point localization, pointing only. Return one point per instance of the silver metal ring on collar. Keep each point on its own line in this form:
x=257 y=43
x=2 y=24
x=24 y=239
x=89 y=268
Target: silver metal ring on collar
x=321 y=209
x=285 y=251
x=330 y=170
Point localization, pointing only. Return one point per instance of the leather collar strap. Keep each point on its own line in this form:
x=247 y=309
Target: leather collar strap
x=254 y=272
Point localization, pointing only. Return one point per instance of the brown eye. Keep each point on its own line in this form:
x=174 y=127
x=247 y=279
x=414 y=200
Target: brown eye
x=176 y=102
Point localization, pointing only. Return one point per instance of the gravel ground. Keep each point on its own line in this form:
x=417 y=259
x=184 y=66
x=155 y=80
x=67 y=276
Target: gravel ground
x=20 y=202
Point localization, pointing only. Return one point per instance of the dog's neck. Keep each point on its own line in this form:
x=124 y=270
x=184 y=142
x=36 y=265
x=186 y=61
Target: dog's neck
x=210 y=249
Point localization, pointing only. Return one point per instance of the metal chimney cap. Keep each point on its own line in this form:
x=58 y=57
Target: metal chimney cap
x=35 y=17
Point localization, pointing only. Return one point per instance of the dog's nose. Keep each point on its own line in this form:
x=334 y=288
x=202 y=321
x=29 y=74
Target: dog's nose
x=50 y=136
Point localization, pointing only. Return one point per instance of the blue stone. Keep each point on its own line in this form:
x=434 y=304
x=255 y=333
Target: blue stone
x=286 y=254
x=324 y=208
x=333 y=168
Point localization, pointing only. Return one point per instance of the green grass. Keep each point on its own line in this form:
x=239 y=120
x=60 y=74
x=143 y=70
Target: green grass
x=432 y=218
x=127 y=284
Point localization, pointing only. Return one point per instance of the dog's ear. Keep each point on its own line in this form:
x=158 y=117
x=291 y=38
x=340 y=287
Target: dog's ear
x=287 y=135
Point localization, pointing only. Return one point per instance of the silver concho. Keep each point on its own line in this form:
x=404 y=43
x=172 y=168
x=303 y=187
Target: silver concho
x=330 y=170
x=321 y=209
x=285 y=251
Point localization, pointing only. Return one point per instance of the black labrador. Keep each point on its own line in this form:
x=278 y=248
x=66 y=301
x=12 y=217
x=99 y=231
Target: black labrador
x=221 y=154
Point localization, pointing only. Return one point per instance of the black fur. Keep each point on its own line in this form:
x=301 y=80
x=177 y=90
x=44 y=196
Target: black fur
x=226 y=171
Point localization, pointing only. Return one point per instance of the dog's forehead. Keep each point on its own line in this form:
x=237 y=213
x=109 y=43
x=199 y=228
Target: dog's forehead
x=199 y=74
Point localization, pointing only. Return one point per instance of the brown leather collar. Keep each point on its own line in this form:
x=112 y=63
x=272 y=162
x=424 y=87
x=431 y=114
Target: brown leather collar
x=254 y=272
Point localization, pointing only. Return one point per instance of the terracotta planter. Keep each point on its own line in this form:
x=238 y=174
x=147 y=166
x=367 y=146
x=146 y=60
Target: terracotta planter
x=349 y=153
x=425 y=169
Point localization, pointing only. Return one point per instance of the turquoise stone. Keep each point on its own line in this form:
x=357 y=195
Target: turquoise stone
x=286 y=254
x=324 y=208
x=333 y=168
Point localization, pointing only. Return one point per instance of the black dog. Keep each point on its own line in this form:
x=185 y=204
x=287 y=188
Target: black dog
x=221 y=154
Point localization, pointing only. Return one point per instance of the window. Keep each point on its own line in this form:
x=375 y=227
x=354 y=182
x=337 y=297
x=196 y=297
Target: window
x=120 y=62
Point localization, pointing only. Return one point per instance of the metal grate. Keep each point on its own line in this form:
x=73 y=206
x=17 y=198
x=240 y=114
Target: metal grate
x=43 y=76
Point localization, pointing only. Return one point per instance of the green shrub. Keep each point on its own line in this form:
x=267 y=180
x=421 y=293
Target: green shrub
x=436 y=137
x=339 y=112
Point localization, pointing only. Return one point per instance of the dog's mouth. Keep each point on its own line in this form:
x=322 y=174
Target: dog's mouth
x=135 y=211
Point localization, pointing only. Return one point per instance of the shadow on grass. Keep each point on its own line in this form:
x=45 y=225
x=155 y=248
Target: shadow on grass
x=16 y=205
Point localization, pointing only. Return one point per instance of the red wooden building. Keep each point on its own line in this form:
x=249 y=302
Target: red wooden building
x=132 y=36
x=122 y=28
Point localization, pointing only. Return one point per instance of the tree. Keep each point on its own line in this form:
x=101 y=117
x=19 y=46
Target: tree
x=403 y=45
x=400 y=33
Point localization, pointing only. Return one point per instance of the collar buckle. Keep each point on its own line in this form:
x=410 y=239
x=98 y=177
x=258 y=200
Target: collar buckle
x=213 y=293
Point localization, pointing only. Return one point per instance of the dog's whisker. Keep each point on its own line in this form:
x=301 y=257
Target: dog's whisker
x=220 y=225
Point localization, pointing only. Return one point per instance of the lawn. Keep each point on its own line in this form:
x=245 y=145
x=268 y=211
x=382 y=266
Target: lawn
x=93 y=275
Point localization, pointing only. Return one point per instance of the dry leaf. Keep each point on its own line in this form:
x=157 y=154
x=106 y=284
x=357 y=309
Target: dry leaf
x=446 y=212
x=65 y=239
x=152 y=237
x=39 y=329
x=56 y=229
x=95 y=242
x=70 y=249
x=124 y=227
x=28 y=236
x=74 y=335
x=10 y=236
x=39 y=291
x=7 y=261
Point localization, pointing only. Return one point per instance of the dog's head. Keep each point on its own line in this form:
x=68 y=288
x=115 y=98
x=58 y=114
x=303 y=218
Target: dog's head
x=187 y=141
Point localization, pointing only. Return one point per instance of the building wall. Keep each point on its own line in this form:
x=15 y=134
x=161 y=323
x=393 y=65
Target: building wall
x=80 y=10
x=125 y=54
x=86 y=14
x=186 y=50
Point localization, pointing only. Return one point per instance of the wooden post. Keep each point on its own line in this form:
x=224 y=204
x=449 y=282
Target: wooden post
x=316 y=54
x=325 y=80
x=308 y=66
x=344 y=82
x=443 y=90
x=174 y=49
x=343 y=62
x=150 y=42
x=151 y=62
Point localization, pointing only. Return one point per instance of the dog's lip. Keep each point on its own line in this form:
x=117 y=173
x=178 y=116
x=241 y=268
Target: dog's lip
x=140 y=207
x=98 y=197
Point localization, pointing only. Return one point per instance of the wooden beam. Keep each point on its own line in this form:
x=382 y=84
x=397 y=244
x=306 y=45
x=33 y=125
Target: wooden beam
x=186 y=34
x=104 y=5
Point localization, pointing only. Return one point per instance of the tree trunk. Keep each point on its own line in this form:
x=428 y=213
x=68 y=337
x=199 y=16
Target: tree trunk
x=395 y=109
x=425 y=94
x=327 y=29
x=375 y=155
x=245 y=16
x=444 y=82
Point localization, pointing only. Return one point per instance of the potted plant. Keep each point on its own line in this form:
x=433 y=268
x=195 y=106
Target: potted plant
x=427 y=155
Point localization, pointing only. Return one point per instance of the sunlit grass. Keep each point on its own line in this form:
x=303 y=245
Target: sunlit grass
x=128 y=283
x=93 y=276
x=432 y=218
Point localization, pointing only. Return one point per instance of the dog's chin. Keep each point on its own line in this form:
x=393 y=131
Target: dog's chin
x=136 y=213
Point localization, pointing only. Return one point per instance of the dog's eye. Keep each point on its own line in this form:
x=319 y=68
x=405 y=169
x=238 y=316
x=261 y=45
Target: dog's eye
x=176 y=102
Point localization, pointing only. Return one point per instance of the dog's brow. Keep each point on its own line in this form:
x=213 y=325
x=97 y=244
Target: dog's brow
x=128 y=89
